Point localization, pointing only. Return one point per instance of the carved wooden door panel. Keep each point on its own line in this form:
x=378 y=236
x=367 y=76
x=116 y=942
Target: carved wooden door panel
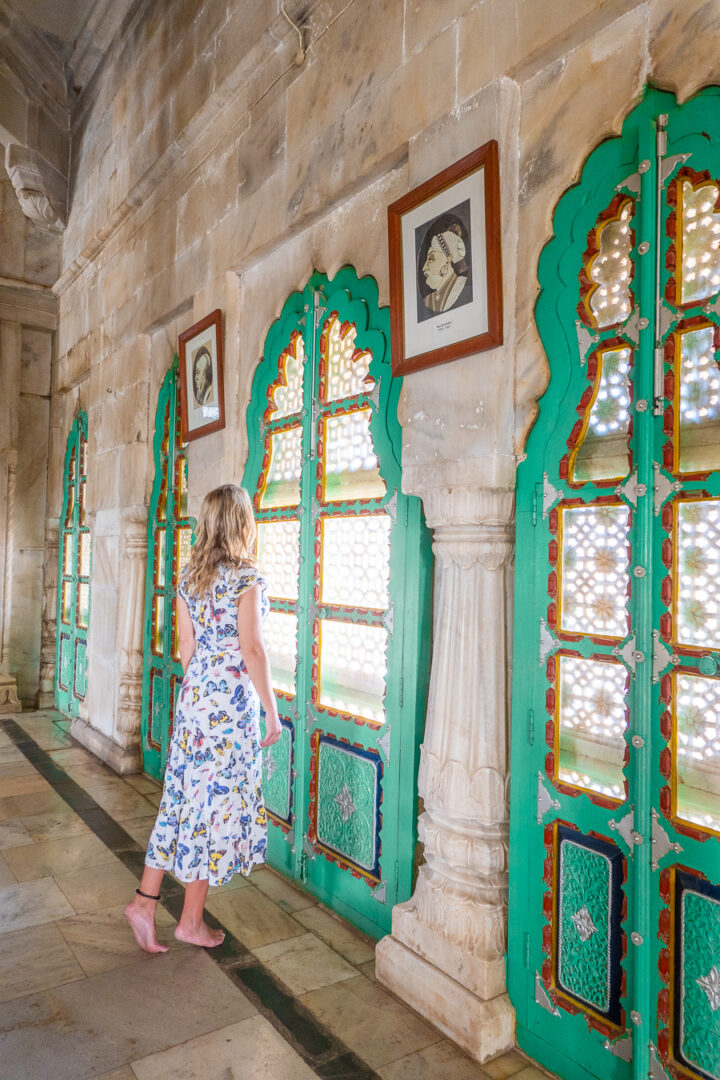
x=614 y=959
x=346 y=556
x=170 y=534
x=73 y=614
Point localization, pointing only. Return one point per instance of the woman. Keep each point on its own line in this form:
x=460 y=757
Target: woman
x=211 y=823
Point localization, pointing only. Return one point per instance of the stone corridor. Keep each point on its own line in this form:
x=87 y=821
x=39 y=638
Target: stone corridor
x=290 y=995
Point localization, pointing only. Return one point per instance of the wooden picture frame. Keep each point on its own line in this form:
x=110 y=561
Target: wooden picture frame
x=445 y=265
x=202 y=400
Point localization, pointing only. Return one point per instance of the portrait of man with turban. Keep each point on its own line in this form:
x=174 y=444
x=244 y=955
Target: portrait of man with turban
x=202 y=378
x=444 y=266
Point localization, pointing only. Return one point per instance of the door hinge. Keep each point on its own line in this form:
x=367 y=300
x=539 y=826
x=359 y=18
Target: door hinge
x=542 y=998
x=531 y=726
x=526 y=948
x=626 y=828
x=402 y=690
x=545 y=800
x=661 y=843
x=621 y=1048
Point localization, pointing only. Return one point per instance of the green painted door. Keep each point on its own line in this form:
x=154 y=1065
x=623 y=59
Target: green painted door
x=170 y=535
x=614 y=945
x=347 y=558
x=73 y=611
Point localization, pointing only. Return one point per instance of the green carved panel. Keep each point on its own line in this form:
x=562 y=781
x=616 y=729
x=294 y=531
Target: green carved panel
x=277 y=776
x=348 y=802
x=584 y=924
x=699 y=977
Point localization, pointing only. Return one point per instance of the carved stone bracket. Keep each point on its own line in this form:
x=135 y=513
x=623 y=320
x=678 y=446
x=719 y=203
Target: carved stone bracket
x=41 y=190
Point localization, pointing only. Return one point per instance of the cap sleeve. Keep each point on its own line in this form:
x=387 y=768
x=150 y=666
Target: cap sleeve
x=243 y=579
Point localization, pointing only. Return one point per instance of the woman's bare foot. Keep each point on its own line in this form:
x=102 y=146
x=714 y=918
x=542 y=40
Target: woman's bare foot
x=199 y=935
x=142 y=924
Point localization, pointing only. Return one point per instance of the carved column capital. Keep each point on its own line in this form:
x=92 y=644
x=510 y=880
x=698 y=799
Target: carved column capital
x=40 y=188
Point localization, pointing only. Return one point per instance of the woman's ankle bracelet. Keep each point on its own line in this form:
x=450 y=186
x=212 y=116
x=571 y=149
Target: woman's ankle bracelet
x=147 y=895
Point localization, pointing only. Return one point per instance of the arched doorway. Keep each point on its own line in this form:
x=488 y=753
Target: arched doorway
x=170 y=534
x=73 y=612
x=348 y=561
x=614 y=955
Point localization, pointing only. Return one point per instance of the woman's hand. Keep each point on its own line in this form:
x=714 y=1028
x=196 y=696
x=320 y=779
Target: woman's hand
x=273 y=731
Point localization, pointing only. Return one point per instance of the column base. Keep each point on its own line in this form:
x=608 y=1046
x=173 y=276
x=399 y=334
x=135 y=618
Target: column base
x=484 y=1029
x=123 y=759
x=9 y=700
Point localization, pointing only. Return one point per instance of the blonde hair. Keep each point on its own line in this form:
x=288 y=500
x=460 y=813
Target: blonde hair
x=225 y=533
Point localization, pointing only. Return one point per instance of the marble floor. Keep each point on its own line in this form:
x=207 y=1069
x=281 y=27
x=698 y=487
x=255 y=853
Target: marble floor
x=290 y=995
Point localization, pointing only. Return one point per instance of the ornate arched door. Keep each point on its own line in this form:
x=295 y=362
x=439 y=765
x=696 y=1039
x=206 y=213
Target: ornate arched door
x=170 y=535
x=347 y=558
x=614 y=957
x=73 y=612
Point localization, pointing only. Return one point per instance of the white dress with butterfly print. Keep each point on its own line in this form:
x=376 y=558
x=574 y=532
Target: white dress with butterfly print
x=212 y=823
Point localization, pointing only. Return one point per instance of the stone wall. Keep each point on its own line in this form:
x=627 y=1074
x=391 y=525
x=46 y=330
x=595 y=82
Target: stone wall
x=211 y=169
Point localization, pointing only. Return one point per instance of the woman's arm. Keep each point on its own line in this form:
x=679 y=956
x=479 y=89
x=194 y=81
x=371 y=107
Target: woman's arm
x=256 y=660
x=186 y=633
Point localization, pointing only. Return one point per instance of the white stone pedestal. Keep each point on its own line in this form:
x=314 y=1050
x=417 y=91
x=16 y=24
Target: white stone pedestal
x=446 y=954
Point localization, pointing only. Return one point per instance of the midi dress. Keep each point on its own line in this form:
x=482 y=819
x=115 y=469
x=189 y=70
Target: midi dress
x=211 y=823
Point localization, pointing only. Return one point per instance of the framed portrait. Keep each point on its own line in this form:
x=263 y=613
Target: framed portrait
x=202 y=405
x=445 y=265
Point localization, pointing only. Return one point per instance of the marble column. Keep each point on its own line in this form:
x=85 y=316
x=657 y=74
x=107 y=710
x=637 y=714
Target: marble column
x=110 y=722
x=131 y=617
x=10 y=352
x=446 y=953
x=48 y=634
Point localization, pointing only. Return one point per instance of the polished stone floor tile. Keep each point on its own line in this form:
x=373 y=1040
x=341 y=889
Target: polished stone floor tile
x=280 y=891
x=140 y=828
x=34 y=959
x=368 y=970
x=441 y=1061
x=343 y=938
x=26 y=784
x=30 y=903
x=531 y=1072
x=74 y=755
x=143 y=784
x=370 y=1021
x=251 y=917
x=97 y=887
x=102 y=940
x=13 y=763
x=125 y=1073
x=47 y=736
x=6 y=875
x=55 y=824
x=506 y=1066
x=84 y=1029
x=37 y=802
x=250 y=1050
x=14 y=834
x=61 y=856
x=120 y=801
x=304 y=963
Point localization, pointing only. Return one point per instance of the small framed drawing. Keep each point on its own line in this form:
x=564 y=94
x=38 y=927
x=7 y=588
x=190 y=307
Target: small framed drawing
x=445 y=265
x=202 y=406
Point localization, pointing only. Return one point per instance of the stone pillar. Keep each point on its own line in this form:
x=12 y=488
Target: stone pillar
x=10 y=351
x=48 y=638
x=121 y=654
x=131 y=620
x=9 y=701
x=446 y=953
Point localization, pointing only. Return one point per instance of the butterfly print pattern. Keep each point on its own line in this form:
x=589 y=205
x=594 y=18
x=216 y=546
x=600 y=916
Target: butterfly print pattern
x=212 y=823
